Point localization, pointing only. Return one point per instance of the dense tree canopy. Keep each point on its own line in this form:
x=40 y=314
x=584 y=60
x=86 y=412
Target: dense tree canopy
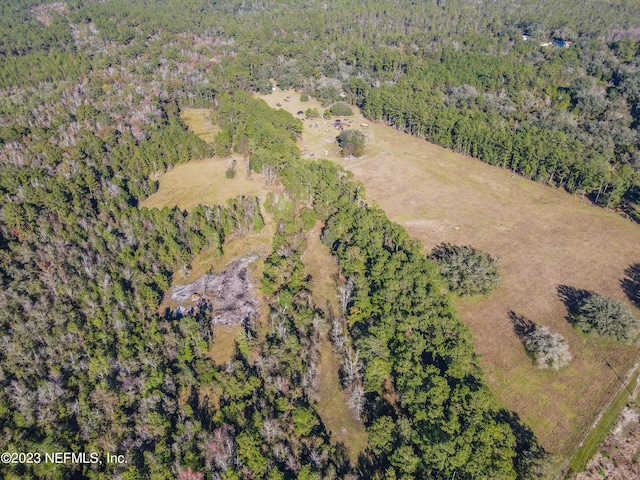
x=607 y=317
x=467 y=270
x=351 y=143
x=90 y=94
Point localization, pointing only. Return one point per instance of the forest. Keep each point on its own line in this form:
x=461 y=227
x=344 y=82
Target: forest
x=90 y=97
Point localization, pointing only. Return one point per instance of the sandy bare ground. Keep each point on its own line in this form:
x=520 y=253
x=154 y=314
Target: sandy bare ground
x=544 y=238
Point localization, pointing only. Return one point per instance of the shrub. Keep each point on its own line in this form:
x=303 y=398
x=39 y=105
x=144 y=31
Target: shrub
x=550 y=350
x=258 y=222
x=607 y=317
x=341 y=108
x=231 y=171
x=467 y=270
x=312 y=113
x=309 y=218
x=223 y=142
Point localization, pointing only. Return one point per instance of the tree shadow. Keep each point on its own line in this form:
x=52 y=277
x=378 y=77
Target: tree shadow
x=368 y=465
x=572 y=298
x=631 y=284
x=522 y=326
x=530 y=456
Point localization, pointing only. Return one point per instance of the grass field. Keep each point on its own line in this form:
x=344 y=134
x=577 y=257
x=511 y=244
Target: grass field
x=199 y=122
x=544 y=238
x=204 y=182
x=332 y=407
x=224 y=343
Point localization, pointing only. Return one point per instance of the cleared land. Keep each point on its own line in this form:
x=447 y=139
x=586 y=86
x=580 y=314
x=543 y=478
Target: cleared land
x=203 y=182
x=332 y=408
x=544 y=237
x=227 y=294
x=199 y=122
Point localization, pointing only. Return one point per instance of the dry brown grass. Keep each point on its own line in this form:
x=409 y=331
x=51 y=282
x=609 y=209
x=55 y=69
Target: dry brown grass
x=203 y=182
x=322 y=267
x=332 y=408
x=199 y=122
x=544 y=238
x=224 y=343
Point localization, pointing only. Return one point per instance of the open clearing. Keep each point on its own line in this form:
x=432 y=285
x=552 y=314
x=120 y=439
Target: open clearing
x=199 y=122
x=544 y=238
x=332 y=407
x=228 y=295
x=203 y=182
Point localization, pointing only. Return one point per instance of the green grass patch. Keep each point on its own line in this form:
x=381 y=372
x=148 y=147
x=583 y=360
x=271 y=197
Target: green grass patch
x=596 y=436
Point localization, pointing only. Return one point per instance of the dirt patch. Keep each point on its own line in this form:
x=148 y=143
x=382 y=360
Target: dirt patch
x=228 y=294
x=618 y=458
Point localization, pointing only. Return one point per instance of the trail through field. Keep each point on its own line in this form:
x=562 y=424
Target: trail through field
x=342 y=425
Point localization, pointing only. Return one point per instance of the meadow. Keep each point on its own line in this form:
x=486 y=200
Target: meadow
x=545 y=239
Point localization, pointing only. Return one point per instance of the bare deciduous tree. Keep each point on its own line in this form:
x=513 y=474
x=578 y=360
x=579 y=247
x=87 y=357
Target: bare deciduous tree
x=222 y=449
x=337 y=335
x=268 y=172
x=352 y=367
x=356 y=400
x=345 y=295
x=549 y=349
